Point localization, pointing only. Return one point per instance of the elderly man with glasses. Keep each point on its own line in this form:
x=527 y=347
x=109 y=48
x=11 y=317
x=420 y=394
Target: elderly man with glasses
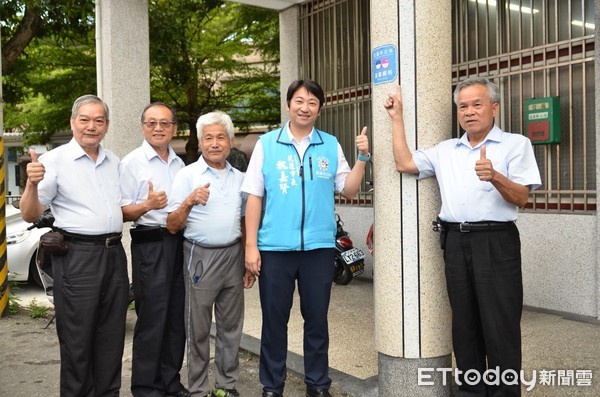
x=159 y=336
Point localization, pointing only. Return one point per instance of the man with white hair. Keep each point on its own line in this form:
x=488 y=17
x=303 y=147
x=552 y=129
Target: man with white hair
x=207 y=201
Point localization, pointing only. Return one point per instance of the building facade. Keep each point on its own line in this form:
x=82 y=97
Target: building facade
x=532 y=49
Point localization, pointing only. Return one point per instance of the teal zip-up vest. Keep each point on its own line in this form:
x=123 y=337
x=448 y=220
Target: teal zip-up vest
x=299 y=193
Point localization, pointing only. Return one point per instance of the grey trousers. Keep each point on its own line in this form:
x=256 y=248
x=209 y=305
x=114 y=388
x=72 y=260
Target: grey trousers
x=213 y=280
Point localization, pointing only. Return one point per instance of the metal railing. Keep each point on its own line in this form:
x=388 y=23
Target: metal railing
x=334 y=51
x=533 y=49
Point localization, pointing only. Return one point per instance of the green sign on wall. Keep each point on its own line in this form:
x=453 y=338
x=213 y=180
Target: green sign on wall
x=542 y=120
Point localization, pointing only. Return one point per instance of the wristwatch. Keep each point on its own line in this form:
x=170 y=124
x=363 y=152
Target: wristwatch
x=364 y=158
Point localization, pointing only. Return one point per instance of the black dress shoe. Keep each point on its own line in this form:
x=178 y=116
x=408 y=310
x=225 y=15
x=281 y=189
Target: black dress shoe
x=270 y=394
x=181 y=393
x=317 y=393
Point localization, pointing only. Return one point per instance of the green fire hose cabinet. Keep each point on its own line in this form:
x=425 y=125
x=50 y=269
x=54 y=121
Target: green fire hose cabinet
x=542 y=120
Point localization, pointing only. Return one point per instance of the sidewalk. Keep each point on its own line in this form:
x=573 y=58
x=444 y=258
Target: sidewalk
x=29 y=364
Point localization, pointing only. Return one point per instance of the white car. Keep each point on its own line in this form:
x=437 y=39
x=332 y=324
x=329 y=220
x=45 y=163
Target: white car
x=21 y=243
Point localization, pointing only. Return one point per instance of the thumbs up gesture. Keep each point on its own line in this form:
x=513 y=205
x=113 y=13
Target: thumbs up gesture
x=35 y=169
x=362 y=142
x=156 y=200
x=483 y=167
x=199 y=195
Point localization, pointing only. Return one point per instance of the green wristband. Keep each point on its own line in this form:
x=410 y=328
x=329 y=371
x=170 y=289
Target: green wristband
x=364 y=158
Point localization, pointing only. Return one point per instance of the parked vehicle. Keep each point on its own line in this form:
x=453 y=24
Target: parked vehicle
x=349 y=261
x=21 y=246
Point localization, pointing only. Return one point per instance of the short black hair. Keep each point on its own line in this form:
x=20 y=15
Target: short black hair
x=311 y=86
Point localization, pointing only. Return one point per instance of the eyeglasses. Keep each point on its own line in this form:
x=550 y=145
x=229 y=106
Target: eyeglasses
x=163 y=124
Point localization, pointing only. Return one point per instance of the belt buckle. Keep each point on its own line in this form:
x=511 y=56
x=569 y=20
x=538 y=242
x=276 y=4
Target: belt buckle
x=464 y=227
x=109 y=240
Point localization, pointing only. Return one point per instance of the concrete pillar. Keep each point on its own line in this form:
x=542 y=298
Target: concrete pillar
x=597 y=104
x=289 y=28
x=412 y=314
x=123 y=69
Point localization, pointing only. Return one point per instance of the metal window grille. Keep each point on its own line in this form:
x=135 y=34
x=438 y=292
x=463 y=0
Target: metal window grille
x=335 y=52
x=532 y=49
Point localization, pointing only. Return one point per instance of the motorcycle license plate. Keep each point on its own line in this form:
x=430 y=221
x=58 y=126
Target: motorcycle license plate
x=353 y=255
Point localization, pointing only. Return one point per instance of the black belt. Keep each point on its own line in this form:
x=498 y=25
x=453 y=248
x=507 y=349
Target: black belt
x=485 y=226
x=108 y=240
x=148 y=234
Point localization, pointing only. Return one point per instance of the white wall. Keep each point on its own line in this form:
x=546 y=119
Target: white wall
x=559 y=262
x=558 y=251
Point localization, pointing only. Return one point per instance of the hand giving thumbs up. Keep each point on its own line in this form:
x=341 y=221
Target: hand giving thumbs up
x=483 y=167
x=35 y=169
x=156 y=200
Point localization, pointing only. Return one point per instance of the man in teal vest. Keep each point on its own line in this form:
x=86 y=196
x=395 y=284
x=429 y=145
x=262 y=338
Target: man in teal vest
x=293 y=175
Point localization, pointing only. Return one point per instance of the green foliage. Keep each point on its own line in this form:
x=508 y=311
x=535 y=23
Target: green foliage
x=56 y=67
x=205 y=55
x=215 y=56
x=13 y=300
x=36 y=310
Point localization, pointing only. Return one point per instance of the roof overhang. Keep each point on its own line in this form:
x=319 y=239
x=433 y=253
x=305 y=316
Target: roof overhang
x=271 y=4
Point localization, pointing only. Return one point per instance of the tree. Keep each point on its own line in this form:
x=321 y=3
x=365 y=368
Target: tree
x=25 y=20
x=201 y=54
x=200 y=62
x=48 y=59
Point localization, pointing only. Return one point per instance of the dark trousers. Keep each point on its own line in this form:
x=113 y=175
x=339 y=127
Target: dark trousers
x=159 y=335
x=90 y=297
x=313 y=271
x=483 y=275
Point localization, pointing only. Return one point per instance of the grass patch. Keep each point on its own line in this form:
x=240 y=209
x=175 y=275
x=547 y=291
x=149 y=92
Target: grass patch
x=36 y=310
x=13 y=300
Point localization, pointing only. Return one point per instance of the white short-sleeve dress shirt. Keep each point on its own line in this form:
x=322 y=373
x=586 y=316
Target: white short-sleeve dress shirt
x=84 y=195
x=138 y=168
x=465 y=198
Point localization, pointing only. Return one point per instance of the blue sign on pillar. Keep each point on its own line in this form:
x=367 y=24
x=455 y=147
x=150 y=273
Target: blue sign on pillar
x=384 y=64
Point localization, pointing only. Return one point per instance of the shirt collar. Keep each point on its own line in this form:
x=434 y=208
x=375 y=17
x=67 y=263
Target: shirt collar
x=495 y=135
x=76 y=151
x=150 y=153
x=203 y=167
x=286 y=136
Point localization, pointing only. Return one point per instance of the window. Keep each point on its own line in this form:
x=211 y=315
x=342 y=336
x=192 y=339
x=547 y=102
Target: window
x=335 y=52
x=532 y=49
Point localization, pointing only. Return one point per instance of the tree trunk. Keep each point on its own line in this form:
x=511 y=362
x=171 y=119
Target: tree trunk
x=191 y=147
x=28 y=28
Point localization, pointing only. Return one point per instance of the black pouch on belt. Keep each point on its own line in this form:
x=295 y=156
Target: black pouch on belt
x=146 y=234
x=438 y=226
x=53 y=243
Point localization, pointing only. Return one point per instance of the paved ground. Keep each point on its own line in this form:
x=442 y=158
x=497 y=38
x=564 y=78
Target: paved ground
x=560 y=350
x=30 y=361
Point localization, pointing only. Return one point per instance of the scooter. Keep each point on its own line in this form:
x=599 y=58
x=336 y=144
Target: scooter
x=349 y=261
